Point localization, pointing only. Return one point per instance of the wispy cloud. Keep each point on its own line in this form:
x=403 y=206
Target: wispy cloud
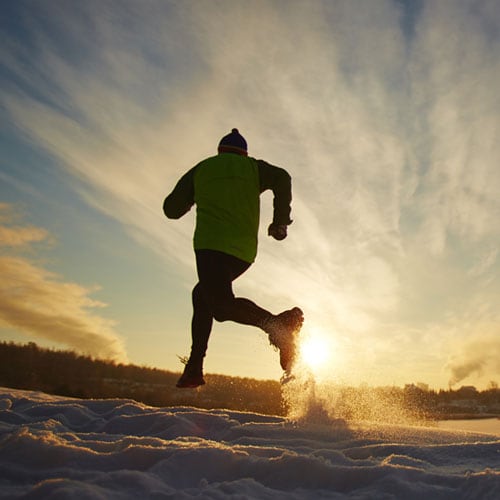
x=17 y=236
x=38 y=303
x=455 y=84
x=389 y=134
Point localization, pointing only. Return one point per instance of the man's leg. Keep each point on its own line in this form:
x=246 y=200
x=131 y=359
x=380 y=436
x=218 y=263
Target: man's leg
x=201 y=326
x=219 y=296
x=217 y=271
x=213 y=297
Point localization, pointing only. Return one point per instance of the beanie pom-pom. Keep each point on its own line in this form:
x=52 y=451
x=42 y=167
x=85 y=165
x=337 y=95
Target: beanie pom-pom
x=233 y=143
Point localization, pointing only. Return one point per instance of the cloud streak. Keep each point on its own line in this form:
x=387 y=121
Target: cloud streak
x=36 y=302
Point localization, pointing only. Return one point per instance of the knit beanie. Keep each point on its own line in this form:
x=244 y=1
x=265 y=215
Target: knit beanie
x=233 y=143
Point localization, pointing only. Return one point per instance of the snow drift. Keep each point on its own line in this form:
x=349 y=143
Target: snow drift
x=53 y=447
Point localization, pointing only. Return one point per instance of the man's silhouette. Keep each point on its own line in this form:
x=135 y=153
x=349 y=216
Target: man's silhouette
x=226 y=189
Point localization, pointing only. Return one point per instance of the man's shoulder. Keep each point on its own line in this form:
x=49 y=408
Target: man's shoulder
x=274 y=169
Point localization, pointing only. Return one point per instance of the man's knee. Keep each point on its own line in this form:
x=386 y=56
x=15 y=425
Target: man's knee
x=222 y=309
x=220 y=302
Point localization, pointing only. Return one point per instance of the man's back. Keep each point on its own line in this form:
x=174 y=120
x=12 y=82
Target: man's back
x=226 y=193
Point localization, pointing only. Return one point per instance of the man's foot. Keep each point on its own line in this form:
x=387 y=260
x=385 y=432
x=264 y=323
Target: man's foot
x=192 y=376
x=282 y=330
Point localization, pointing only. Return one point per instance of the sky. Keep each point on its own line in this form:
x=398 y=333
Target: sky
x=385 y=113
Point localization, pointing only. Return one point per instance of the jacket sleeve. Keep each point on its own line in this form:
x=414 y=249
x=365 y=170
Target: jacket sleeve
x=279 y=181
x=181 y=199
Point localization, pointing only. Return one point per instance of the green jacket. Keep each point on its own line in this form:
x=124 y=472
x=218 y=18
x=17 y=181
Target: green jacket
x=226 y=190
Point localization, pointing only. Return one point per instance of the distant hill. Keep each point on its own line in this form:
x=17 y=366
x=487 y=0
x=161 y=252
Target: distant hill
x=66 y=373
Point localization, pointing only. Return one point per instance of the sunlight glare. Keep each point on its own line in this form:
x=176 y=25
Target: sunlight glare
x=315 y=351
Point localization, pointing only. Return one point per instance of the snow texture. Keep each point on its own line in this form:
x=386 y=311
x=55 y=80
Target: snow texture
x=61 y=448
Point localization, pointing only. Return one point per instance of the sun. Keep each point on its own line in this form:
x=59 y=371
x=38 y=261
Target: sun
x=315 y=351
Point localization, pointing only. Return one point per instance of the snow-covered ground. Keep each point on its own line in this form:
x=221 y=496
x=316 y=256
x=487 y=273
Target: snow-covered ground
x=58 y=448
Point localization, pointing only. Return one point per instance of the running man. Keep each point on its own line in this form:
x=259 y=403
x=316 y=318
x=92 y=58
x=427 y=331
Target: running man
x=226 y=190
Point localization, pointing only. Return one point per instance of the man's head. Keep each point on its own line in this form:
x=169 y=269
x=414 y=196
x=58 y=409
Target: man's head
x=233 y=143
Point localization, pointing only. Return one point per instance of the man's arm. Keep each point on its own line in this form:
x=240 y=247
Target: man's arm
x=181 y=199
x=279 y=181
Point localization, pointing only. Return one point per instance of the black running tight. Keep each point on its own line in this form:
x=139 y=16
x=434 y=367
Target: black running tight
x=213 y=298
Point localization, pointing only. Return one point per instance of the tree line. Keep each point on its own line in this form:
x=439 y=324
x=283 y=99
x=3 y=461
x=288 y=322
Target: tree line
x=66 y=373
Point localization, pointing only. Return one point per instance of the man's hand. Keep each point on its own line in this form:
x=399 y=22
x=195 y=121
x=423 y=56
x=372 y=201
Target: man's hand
x=277 y=231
